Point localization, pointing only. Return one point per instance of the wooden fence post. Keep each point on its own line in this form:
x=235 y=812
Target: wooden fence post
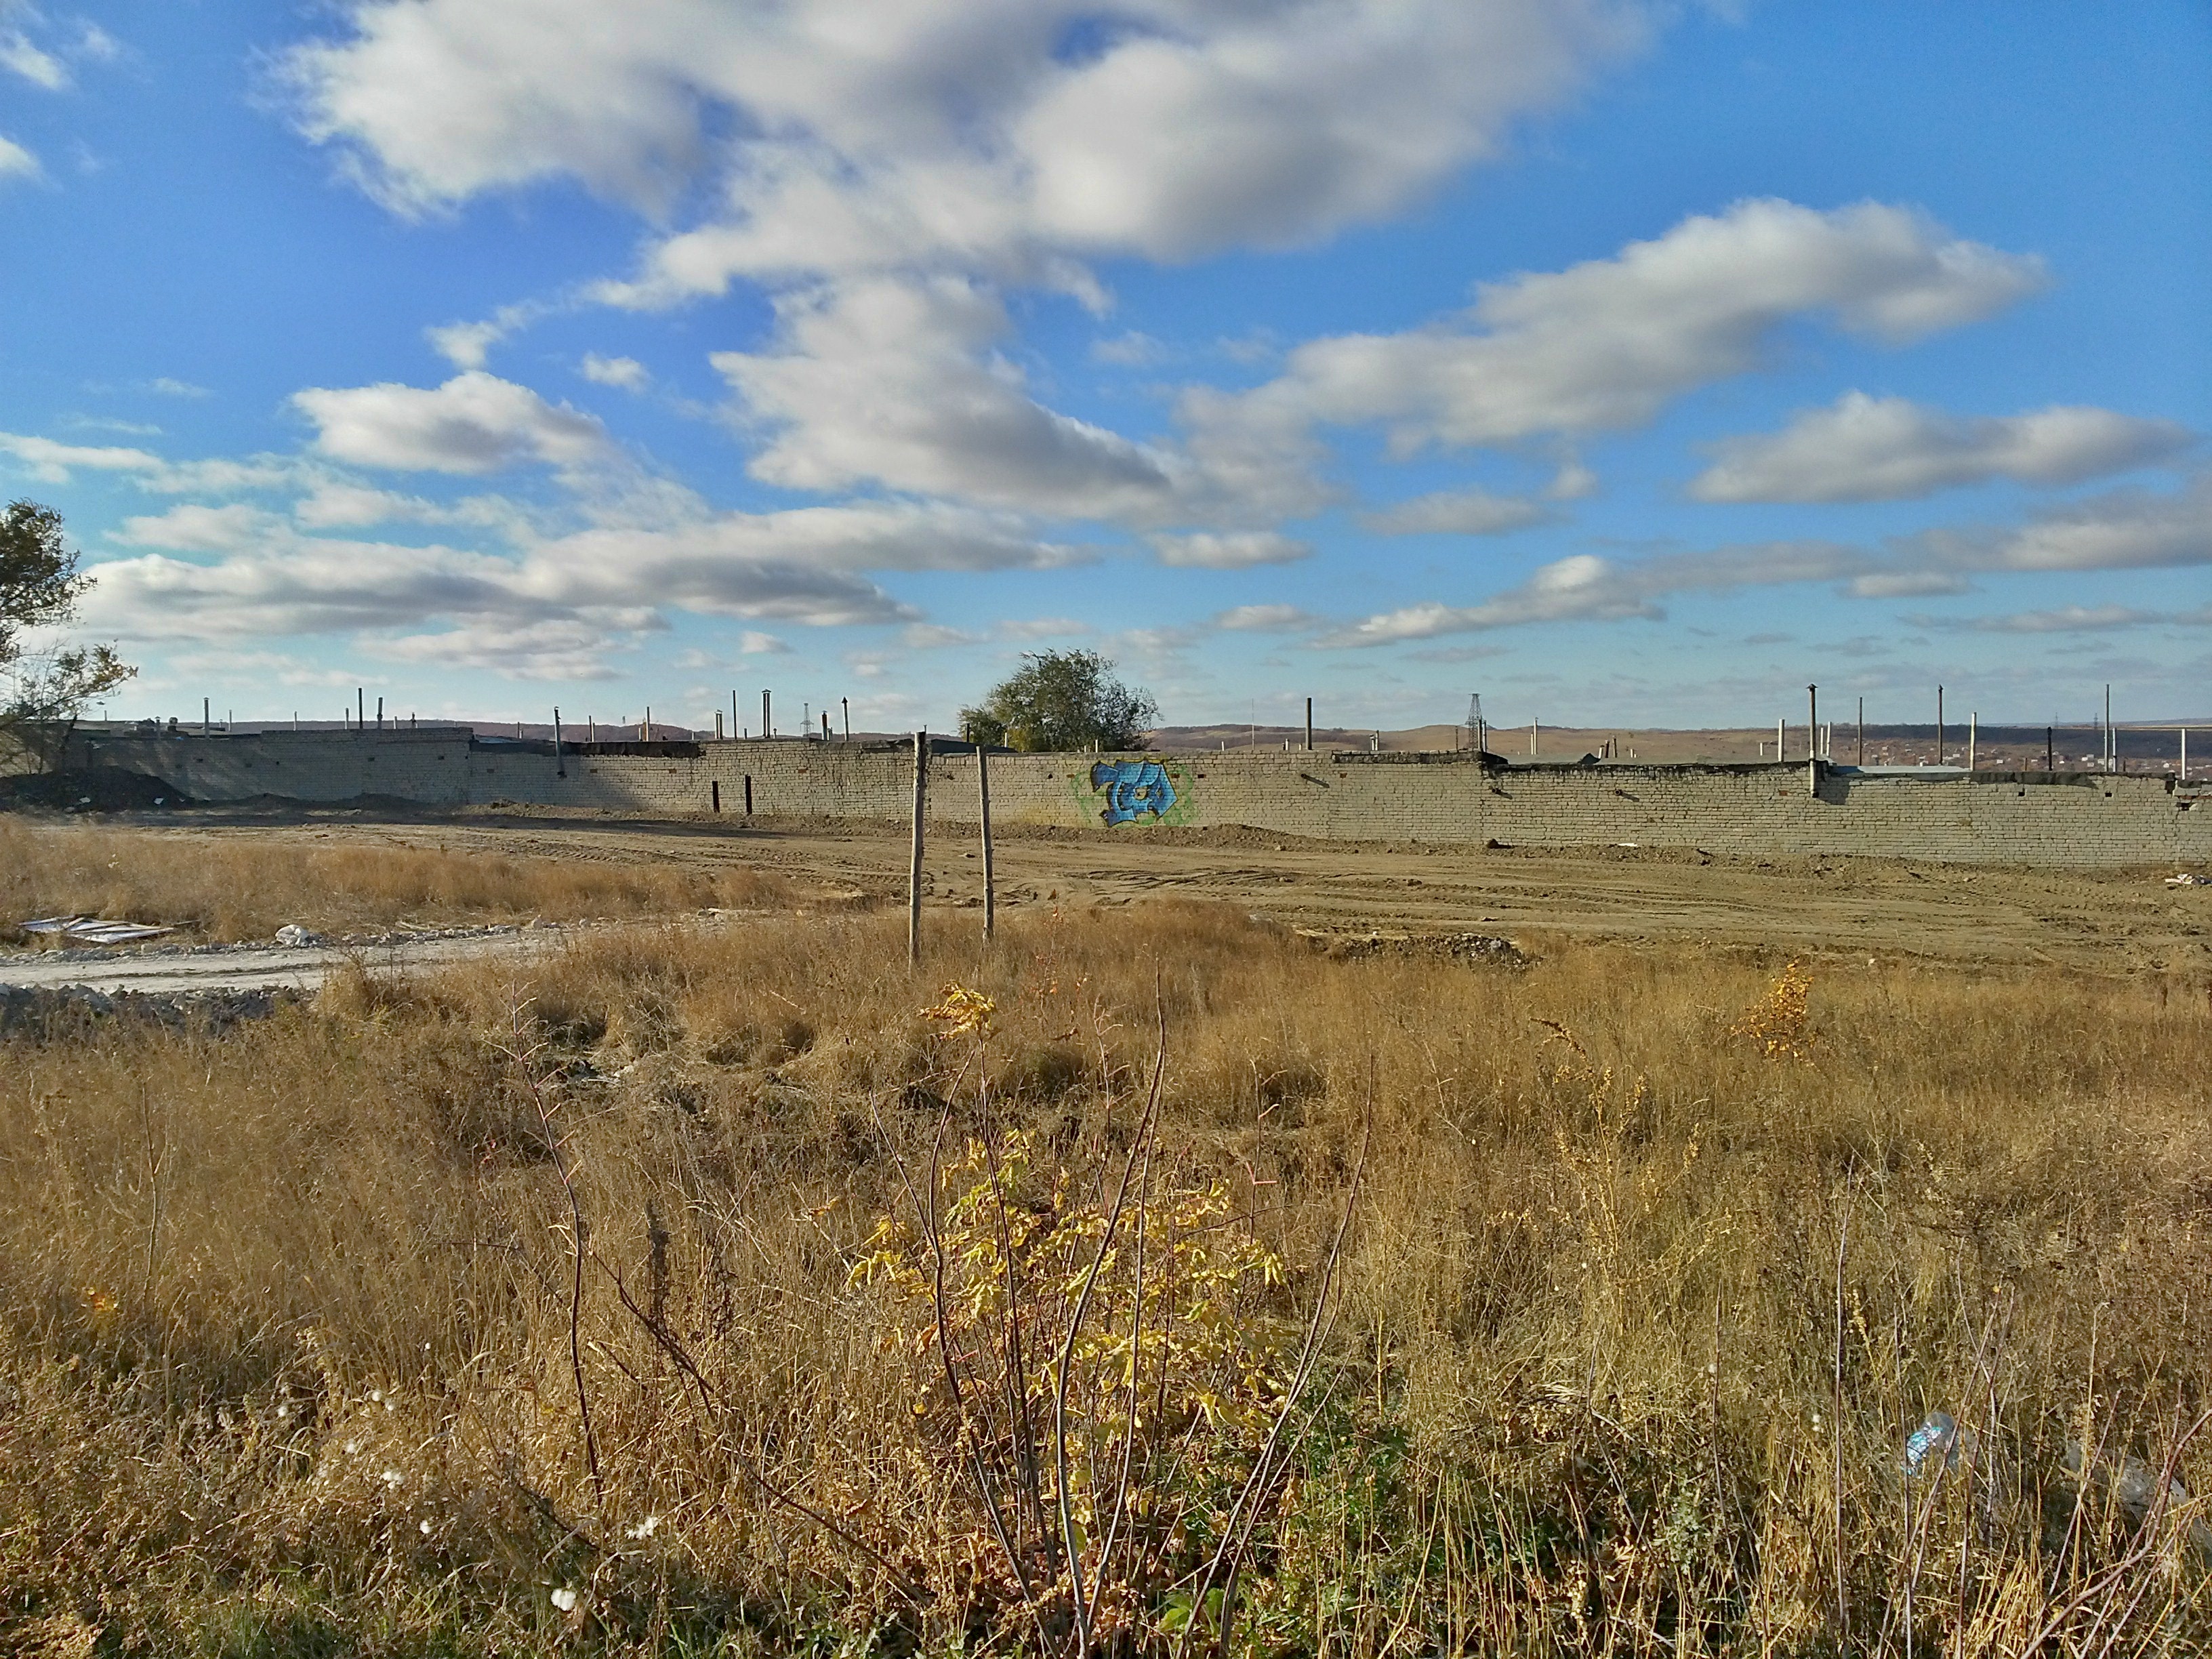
x=983 y=808
x=914 y=862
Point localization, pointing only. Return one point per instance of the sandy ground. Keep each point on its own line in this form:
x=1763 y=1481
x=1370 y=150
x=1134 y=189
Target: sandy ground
x=2114 y=922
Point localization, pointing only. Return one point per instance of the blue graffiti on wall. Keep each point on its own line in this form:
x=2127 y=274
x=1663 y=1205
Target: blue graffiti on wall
x=1133 y=788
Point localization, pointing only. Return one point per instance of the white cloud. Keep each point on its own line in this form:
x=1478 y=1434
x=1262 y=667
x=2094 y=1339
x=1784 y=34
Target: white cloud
x=174 y=388
x=196 y=528
x=555 y=648
x=114 y=423
x=1579 y=588
x=1908 y=584
x=2071 y=619
x=1866 y=449
x=1604 y=345
x=464 y=345
x=338 y=504
x=1235 y=549
x=1456 y=512
x=19 y=55
x=985 y=135
x=475 y=422
x=548 y=604
x=1041 y=627
x=297 y=586
x=935 y=636
x=1130 y=350
x=16 y=162
x=754 y=644
x=2124 y=530
x=49 y=462
x=1262 y=618
x=884 y=381
x=626 y=372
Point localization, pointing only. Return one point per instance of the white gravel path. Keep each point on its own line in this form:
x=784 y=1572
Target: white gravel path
x=253 y=967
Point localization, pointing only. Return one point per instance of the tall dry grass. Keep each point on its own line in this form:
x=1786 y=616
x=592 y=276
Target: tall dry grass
x=1638 y=1310
x=229 y=889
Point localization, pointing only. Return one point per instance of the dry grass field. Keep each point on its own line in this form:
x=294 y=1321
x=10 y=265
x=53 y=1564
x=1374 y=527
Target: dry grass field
x=220 y=889
x=1149 y=1283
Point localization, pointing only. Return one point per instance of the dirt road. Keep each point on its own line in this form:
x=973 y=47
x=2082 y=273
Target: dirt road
x=2112 y=922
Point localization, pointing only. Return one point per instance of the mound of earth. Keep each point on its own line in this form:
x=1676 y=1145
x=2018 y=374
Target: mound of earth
x=39 y=1013
x=91 y=789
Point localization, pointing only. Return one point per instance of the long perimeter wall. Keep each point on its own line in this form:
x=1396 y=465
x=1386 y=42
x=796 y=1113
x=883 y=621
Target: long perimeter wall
x=2065 y=819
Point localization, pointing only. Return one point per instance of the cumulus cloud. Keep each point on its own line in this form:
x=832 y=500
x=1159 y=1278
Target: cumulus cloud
x=194 y=527
x=549 y=606
x=2123 y=529
x=885 y=382
x=464 y=345
x=1458 y=512
x=475 y=422
x=1867 y=449
x=901 y=163
x=627 y=372
x=238 y=570
x=1579 y=588
x=52 y=462
x=553 y=648
x=1604 y=345
x=1237 y=550
x=981 y=135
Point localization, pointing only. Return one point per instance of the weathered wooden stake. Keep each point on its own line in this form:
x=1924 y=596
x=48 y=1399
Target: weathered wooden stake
x=560 y=767
x=913 y=860
x=1862 y=731
x=983 y=813
x=1308 y=725
x=1973 y=736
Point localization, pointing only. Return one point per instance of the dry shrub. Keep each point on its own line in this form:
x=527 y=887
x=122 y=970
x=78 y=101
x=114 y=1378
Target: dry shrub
x=1636 y=1322
x=221 y=889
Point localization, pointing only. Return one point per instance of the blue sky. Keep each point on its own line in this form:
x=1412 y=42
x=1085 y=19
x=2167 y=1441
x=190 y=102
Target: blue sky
x=1630 y=364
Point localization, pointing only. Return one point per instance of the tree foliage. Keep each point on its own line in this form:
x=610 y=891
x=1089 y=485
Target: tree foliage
x=1060 y=701
x=45 y=690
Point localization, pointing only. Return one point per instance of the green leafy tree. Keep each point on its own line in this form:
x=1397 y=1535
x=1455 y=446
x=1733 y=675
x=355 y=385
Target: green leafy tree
x=44 y=690
x=1060 y=700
